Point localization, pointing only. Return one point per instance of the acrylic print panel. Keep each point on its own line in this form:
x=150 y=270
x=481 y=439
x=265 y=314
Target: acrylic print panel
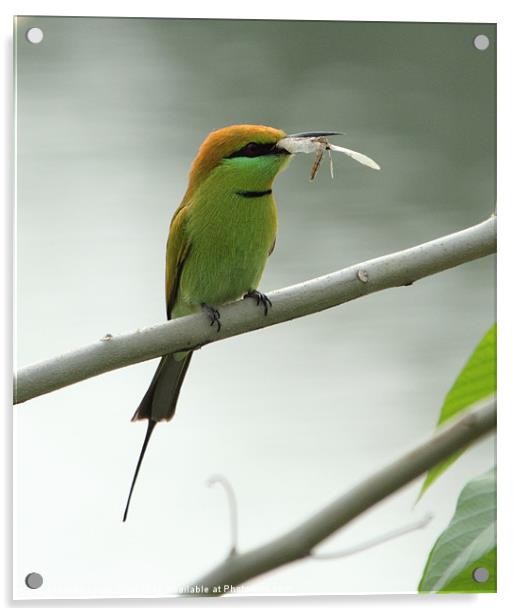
x=110 y=114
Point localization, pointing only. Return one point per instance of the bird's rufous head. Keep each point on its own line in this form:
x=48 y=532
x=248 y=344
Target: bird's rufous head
x=243 y=153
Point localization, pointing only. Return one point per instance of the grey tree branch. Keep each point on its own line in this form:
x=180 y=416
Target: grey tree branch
x=298 y=543
x=393 y=270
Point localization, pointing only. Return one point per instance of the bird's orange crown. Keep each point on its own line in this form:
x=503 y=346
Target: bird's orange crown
x=225 y=141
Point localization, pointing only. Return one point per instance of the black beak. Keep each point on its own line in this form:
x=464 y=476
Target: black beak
x=322 y=133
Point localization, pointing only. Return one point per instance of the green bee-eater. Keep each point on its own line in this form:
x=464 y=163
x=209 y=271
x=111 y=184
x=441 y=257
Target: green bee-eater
x=219 y=240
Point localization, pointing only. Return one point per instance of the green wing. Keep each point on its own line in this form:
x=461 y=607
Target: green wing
x=177 y=250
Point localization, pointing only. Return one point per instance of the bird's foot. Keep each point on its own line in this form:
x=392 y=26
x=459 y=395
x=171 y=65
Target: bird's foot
x=213 y=315
x=260 y=298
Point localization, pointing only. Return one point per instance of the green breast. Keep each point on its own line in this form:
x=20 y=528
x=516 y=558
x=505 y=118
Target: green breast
x=230 y=239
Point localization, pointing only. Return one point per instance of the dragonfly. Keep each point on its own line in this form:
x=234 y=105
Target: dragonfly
x=318 y=143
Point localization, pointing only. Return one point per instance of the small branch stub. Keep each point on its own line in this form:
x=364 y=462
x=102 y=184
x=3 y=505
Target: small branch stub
x=362 y=275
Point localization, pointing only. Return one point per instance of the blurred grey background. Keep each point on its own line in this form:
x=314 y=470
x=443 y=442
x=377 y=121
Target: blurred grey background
x=110 y=113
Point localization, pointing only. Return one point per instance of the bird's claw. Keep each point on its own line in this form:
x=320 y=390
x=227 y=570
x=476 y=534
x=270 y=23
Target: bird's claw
x=260 y=298
x=213 y=315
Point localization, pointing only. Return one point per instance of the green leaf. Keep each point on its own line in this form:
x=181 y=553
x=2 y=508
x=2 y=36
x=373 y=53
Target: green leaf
x=476 y=381
x=464 y=582
x=468 y=542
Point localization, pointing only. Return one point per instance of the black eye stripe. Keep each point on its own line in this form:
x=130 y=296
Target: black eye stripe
x=252 y=150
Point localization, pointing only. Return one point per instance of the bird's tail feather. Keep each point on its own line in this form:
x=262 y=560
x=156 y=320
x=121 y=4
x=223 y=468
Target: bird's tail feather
x=159 y=403
x=149 y=430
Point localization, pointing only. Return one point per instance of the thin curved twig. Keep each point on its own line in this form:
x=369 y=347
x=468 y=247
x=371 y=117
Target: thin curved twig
x=232 y=506
x=375 y=541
